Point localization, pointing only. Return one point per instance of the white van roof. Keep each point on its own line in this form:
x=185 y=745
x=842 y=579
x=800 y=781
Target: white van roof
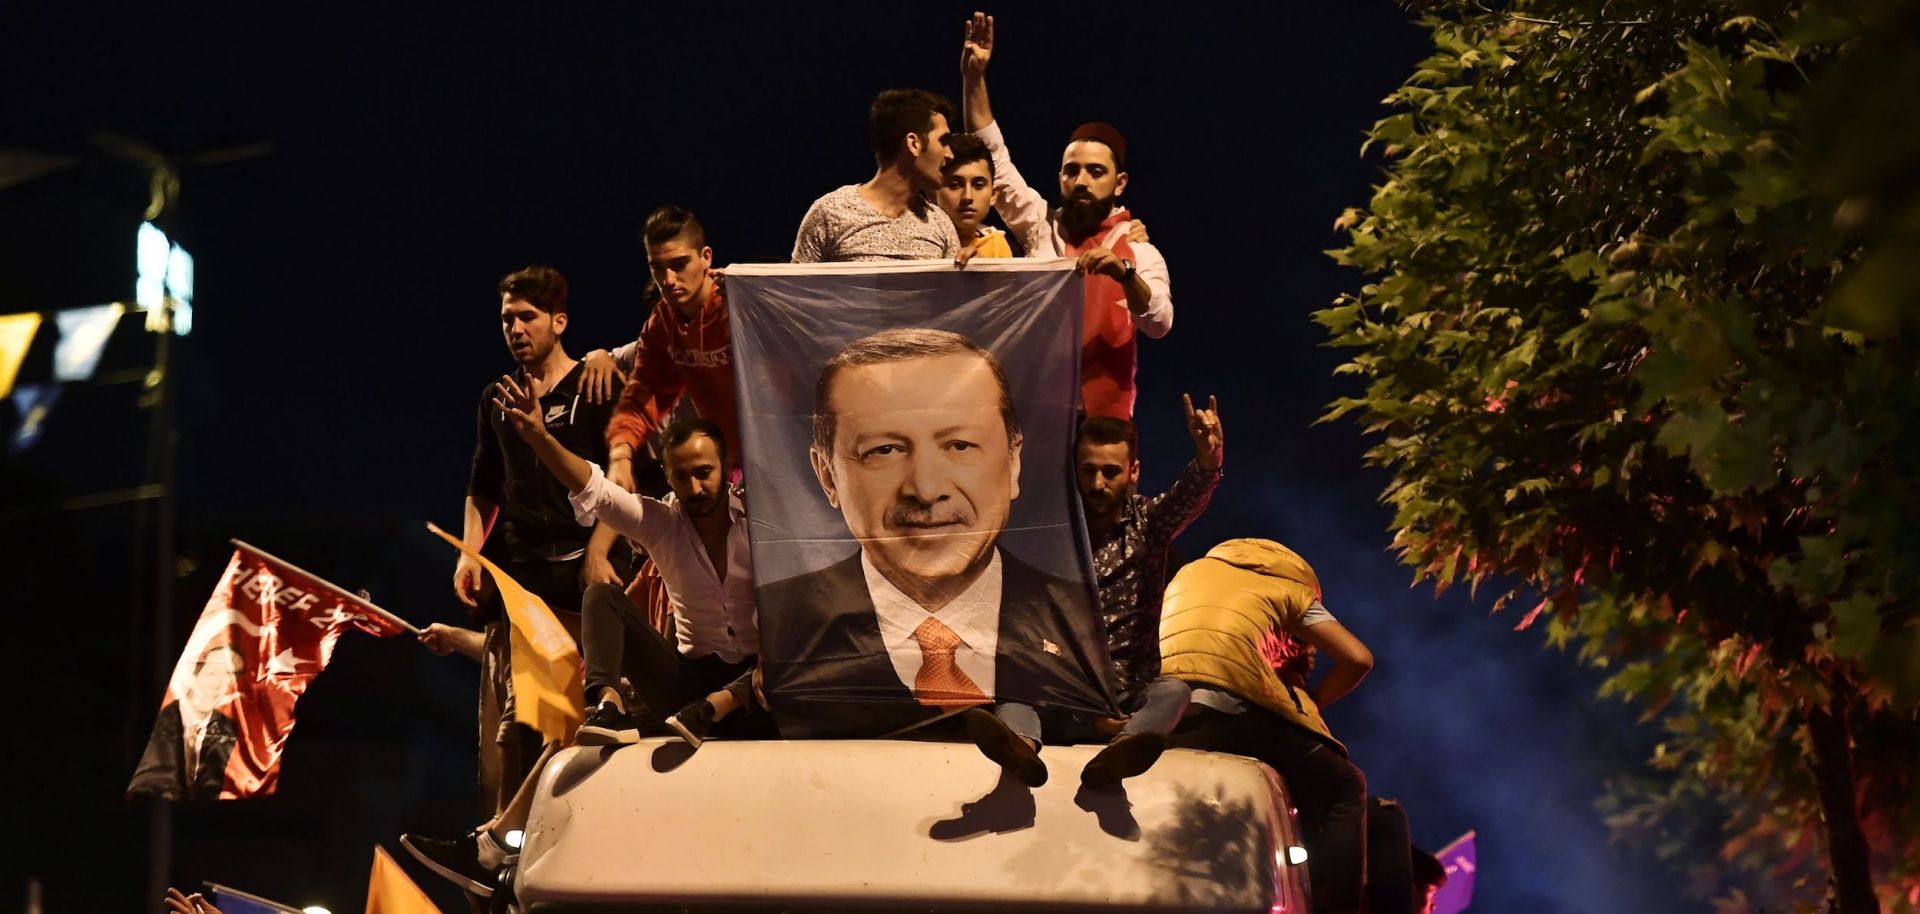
x=902 y=825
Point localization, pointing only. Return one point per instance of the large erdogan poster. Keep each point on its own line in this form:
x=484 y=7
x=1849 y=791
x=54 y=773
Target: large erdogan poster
x=917 y=539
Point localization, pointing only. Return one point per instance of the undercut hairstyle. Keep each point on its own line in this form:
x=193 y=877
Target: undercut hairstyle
x=680 y=431
x=670 y=222
x=968 y=148
x=898 y=112
x=901 y=346
x=1110 y=430
x=540 y=286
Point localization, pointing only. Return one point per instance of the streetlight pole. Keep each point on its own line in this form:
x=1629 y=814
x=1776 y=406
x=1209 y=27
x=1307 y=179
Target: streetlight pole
x=160 y=445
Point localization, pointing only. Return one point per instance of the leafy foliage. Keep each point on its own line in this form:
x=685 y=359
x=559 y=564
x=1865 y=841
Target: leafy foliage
x=1639 y=349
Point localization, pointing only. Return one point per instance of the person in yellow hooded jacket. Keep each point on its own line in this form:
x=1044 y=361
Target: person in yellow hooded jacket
x=1216 y=612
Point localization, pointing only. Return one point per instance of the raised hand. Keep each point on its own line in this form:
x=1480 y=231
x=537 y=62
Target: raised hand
x=522 y=408
x=978 y=48
x=1203 y=426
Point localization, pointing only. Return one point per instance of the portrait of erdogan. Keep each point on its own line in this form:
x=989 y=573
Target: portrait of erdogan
x=917 y=444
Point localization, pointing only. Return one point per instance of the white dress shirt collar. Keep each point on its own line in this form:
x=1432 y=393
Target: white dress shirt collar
x=974 y=615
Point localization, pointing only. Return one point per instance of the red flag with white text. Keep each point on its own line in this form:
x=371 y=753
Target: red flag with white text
x=268 y=629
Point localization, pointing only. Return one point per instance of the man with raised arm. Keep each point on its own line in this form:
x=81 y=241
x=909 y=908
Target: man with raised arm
x=697 y=537
x=1128 y=287
x=1131 y=535
x=890 y=217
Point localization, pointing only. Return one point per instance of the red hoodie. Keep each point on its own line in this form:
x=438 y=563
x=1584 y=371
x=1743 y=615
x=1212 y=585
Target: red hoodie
x=678 y=357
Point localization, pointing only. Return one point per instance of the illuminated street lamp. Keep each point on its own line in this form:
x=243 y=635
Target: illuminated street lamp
x=165 y=284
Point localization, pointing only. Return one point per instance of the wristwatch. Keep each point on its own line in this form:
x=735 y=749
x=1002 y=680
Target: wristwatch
x=1128 y=275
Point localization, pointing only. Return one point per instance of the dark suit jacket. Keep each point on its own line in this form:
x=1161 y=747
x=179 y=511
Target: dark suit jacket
x=828 y=672
x=163 y=770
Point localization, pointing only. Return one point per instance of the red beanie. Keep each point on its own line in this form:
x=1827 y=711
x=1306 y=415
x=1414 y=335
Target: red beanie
x=1107 y=134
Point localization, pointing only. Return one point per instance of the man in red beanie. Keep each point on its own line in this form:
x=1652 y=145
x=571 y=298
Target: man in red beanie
x=1128 y=288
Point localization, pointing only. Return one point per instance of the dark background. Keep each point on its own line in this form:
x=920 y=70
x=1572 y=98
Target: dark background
x=345 y=321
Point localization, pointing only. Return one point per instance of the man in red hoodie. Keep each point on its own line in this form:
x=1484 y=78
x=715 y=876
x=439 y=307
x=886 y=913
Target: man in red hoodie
x=684 y=347
x=1128 y=287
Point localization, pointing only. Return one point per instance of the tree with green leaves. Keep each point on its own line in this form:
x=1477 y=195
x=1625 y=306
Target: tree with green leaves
x=1638 y=342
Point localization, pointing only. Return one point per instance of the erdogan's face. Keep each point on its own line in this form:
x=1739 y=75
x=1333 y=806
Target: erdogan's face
x=922 y=467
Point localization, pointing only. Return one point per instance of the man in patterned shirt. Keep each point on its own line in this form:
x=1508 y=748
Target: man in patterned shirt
x=1131 y=535
x=891 y=216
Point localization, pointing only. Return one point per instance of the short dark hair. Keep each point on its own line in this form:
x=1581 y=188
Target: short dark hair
x=670 y=222
x=900 y=346
x=540 y=286
x=967 y=148
x=680 y=431
x=1109 y=430
x=898 y=112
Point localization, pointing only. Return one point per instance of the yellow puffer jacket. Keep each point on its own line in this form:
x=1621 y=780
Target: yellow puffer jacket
x=1218 y=608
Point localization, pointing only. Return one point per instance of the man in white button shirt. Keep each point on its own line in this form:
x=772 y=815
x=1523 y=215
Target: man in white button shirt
x=697 y=536
x=917 y=444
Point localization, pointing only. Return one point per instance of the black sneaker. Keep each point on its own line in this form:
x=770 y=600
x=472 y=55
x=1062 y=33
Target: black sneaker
x=607 y=725
x=457 y=860
x=1129 y=754
x=1011 y=751
x=693 y=721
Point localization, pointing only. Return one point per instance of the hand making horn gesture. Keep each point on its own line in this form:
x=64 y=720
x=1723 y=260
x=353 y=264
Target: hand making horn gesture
x=1203 y=425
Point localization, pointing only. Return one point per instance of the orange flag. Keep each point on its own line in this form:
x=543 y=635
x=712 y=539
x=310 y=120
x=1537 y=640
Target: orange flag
x=547 y=689
x=389 y=891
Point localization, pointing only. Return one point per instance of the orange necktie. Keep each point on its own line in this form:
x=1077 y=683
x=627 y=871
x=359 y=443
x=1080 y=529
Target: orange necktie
x=941 y=682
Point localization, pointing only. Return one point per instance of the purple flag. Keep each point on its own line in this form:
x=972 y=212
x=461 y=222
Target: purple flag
x=1461 y=862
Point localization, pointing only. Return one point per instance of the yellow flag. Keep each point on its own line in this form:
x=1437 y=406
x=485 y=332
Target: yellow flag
x=389 y=891
x=545 y=663
x=16 y=334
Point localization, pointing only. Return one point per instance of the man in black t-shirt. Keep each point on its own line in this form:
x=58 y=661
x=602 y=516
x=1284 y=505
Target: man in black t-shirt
x=518 y=516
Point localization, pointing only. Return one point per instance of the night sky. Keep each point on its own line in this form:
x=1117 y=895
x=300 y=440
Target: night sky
x=346 y=319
